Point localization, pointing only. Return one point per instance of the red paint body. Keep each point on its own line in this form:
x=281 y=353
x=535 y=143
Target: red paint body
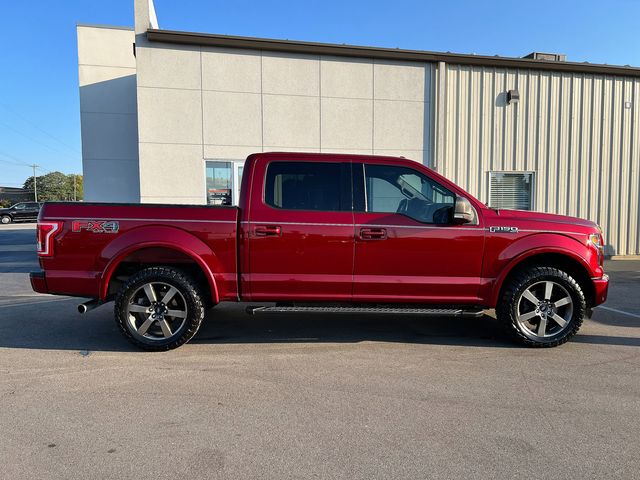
x=260 y=253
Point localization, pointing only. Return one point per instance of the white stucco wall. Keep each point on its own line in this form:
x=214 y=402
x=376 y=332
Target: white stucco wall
x=108 y=120
x=197 y=103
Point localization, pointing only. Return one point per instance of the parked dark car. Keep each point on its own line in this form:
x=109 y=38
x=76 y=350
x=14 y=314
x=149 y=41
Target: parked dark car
x=20 y=212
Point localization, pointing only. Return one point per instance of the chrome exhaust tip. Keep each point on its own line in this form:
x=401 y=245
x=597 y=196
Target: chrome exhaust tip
x=86 y=306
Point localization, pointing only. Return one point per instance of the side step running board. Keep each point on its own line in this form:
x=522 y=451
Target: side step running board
x=431 y=312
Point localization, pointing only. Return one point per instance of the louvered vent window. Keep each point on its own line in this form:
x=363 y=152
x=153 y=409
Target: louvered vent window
x=510 y=190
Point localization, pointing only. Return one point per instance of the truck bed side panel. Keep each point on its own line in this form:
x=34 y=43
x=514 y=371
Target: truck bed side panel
x=78 y=264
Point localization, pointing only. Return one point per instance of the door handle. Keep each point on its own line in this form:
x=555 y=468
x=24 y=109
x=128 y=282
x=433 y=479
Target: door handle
x=267 y=231
x=373 y=233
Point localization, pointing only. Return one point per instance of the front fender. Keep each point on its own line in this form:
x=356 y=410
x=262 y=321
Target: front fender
x=540 y=243
x=161 y=236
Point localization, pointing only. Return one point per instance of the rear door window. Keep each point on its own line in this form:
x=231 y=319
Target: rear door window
x=320 y=186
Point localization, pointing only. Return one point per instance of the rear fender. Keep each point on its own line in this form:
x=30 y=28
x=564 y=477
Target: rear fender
x=161 y=236
x=537 y=244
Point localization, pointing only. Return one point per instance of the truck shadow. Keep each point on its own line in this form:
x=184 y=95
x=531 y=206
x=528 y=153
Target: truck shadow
x=55 y=325
x=230 y=324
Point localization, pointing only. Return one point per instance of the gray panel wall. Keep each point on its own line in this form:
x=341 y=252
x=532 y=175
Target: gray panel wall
x=206 y=103
x=579 y=134
x=108 y=120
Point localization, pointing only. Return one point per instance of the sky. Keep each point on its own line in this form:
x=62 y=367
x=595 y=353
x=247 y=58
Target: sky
x=39 y=96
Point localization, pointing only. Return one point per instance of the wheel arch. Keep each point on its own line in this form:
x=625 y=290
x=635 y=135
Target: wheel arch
x=561 y=258
x=179 y=242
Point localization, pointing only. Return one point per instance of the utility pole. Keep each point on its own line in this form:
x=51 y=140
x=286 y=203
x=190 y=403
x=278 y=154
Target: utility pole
x=35 y=182
x=74 y=188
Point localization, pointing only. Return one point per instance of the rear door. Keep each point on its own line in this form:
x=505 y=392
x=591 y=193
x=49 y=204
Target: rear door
x=300 y=230
x=407 y=249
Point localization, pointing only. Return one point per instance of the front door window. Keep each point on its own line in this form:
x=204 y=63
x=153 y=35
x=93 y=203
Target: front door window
x=394 y=189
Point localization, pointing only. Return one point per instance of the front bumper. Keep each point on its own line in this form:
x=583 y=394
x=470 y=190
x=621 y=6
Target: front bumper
x=600 y=289
x=38 y=282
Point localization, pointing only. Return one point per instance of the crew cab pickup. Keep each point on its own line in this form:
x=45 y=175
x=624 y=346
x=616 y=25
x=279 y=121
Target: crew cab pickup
x=325 y=233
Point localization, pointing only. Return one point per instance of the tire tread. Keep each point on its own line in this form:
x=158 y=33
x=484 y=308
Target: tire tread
x=505 y=310
x=191 y=292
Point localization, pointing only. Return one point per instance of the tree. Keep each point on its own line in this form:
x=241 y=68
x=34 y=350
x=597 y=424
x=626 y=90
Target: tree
x=56 y=186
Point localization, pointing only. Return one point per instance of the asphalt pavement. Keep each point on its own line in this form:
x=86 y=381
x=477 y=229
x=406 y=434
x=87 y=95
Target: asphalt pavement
x=312 y=396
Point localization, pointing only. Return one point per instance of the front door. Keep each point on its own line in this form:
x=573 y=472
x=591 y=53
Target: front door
x=21 y=212
x=300 y=231
x=407 y=249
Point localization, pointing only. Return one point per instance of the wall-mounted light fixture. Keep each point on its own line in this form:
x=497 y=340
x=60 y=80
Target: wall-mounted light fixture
x=513 y=96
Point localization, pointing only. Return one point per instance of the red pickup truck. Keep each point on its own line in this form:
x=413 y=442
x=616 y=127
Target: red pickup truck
x=325 y=233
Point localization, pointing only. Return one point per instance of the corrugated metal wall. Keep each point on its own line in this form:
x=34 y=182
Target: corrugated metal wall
x=579 y=134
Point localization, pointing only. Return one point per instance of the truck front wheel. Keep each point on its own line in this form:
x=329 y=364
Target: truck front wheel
x=541 y=307
x=159 y=308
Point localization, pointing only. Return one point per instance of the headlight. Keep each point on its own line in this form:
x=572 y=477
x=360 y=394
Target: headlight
x=596 y=239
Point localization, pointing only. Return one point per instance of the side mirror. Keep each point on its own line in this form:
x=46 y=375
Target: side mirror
x=463 y=212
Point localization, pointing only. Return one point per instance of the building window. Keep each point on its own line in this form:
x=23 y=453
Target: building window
x=306 y=186
x=219 y=183
x=511 y=190
x=223 y=178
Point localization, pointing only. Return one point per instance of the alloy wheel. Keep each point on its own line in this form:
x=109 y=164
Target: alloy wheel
x=544 y=310
x=156 y=311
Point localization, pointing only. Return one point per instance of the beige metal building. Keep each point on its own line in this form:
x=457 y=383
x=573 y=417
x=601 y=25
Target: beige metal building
x=170 y=116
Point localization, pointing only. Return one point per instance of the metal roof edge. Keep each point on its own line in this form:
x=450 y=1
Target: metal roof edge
x=96 y=25
x=275 y=45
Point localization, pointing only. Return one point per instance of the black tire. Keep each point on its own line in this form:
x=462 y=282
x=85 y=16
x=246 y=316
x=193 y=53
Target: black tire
x=190 y=299
x=6 y=219
x=509 y=310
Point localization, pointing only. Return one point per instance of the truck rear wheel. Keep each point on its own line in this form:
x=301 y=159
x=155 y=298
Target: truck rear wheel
x=541 y=307
x=6 y=219
x=159 y=308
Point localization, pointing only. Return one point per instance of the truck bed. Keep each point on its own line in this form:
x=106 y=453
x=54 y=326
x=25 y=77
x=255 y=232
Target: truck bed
x=94 y=236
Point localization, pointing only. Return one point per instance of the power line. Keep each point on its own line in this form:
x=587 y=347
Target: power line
x=13 y=157
x=12 y=163
x=26 y=120
x=29 y=137
x=21 y=162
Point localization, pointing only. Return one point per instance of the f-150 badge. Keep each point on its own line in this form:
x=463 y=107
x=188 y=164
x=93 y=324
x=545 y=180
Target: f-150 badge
x=503 y=229
x=95 y=226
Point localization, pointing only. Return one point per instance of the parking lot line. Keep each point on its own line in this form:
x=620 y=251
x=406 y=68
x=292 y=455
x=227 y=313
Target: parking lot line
x=34 y=303
x=619 y=311
x=27 y=247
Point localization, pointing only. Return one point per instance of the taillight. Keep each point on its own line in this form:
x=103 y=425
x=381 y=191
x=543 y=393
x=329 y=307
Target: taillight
x=45 y=234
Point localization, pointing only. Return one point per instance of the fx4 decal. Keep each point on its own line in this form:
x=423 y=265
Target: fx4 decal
x=503 y=229
x=95 y=226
